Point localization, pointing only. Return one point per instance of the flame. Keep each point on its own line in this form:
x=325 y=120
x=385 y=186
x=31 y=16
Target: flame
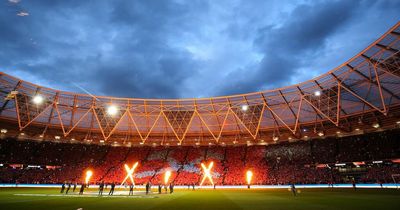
x=207 y=173
x=249 y=175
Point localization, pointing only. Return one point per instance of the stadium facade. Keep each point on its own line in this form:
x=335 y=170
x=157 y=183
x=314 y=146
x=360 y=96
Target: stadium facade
x=360 y=95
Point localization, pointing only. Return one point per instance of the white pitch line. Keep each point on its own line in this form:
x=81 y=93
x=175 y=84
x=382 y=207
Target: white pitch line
x=88 y=196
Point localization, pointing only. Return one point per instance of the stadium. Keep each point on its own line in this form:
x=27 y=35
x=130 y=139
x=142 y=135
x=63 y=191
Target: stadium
x=331 y=142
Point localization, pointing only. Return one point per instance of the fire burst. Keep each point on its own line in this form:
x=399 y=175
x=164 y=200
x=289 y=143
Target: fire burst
x=207 y=173
x=130 y=172
x=249 y=175
x=166 y=177
x=89 y=174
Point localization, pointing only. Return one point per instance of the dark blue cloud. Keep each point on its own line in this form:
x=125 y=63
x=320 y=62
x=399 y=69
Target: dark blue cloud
x=170 y=49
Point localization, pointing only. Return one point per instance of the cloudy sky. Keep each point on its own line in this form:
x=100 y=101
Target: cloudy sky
x=183 y=48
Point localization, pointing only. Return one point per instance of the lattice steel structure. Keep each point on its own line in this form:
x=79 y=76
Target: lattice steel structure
x=360 y=95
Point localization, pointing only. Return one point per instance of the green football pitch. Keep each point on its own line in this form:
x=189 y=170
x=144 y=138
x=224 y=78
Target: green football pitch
x=40 y=198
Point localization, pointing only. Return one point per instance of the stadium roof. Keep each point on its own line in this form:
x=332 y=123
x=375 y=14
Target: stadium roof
x=360 y=95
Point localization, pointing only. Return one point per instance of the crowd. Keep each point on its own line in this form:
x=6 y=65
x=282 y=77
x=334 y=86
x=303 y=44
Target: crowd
x=310 y=161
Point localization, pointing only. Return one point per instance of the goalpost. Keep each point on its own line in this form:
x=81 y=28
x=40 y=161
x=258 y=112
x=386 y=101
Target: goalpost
x=396 y=180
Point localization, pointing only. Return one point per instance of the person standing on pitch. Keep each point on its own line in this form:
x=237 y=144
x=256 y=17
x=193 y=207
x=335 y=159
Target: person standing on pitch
x=353 y=182
x=101 y=188
x=112 y=189
x=147 y=188
x=293 y=188
x=62 y=188
x=69 y=187
x=82 y=189
x=159 y=188
x=131 y=189
x=171 y=188
x=73 y=189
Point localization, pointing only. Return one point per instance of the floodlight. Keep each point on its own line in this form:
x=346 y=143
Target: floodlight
x=38 y=99
x=112 y=110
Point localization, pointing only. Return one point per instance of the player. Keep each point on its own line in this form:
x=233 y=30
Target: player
x=112 y=189
x=62 y=188
x=293 y=188
x=68 y=188
x=82 y=189
x=131 y=189
x=101 y=188
x=159 y=188
x=353 y=182
x=147 y=188
x=73 y=190
x=171 y=188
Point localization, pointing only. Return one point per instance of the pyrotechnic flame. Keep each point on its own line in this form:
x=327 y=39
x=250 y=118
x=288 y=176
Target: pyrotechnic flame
x=130 y=172
x=89 y=174
x=207 y=173
x=249 y=176
x=166 y=176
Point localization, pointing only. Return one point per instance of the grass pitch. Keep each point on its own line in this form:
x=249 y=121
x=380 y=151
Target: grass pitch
x=39 y=198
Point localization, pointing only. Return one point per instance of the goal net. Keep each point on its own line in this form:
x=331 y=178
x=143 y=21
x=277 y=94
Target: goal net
x=396 y=180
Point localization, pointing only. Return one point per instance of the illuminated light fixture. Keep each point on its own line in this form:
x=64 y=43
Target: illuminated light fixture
x=112 y=110
x=262 y=140
x=305 y=137
x=129 y=173
x=337 y=132
x=38 y=99
x=22 y=134
x=321 y=133
x=245 y=107
x=275 y=138
x=357 y=129
x=178 y=143
x=304 y=129
x=207 y=173
x=290 y=138
x=376 y=125
x=317 y=93
x=166 y=177
x=41 y=135
x=209 y=143
x=57 y=137
x=141 y=142
x=89 y=174
x=249 y=176
x=234 y=142
x=398 y=122
x=72 y=139
x=101 y=141
x=197 y=143
x=3 y=130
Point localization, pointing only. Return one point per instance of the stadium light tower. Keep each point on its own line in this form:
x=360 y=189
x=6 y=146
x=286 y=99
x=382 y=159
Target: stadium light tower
x=38 y=99
x=112 y=110
x=207 y=173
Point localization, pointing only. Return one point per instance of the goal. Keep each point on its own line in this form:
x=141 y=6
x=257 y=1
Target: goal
x=396 y=180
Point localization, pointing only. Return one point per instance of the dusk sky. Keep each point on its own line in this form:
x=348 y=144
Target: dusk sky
x=180 y=49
